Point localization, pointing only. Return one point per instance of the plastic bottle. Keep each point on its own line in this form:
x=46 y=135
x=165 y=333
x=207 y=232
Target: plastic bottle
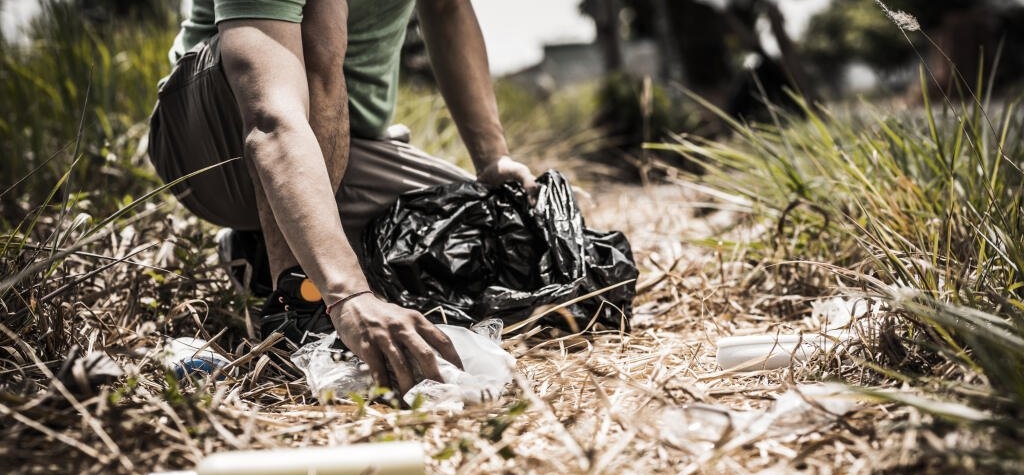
x=187 y=356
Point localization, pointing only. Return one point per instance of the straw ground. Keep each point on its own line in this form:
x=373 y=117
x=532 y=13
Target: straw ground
x=607 y=403
x=93 y=257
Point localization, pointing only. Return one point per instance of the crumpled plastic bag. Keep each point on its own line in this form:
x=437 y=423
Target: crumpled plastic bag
x=331 y=374
x=477 y=252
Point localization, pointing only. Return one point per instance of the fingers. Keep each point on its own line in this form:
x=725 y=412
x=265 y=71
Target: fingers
x=530 y=185
x=378 y=368
x=508 y=169
x=440 y=342
x=420 y=352
x=405 y=350
x=395 y=343
x=399 y=366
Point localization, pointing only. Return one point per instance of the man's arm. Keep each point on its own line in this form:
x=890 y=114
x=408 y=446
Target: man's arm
x=265 y=65
x=459 y=59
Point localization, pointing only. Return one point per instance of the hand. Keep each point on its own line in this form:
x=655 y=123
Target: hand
x=386 y=336
x=507 y=169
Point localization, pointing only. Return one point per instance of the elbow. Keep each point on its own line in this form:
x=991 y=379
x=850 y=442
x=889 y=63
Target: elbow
x=267 y=132
x=275 y=112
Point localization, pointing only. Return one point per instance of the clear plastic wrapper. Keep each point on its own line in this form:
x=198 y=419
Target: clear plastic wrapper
x=704 y=427
x=332 y=373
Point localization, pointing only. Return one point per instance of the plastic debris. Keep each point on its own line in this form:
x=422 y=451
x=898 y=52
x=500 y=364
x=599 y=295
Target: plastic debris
x=765 y=352
x=488 y=368
x=703 y=427
x=477 y=252
x=382 y=458
x=838 y=312
x=331 y=372
x=835 y=316
x=84 y=374
x=192 y=357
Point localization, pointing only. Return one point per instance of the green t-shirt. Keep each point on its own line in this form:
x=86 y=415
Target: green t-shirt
x=376 y=31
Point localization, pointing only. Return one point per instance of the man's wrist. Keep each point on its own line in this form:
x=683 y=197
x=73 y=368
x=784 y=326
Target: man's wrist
x=484 y=156
x=338 y=302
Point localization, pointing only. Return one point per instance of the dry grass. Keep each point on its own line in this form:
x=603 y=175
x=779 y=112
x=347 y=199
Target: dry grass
x=651 y=401
x=608 y=403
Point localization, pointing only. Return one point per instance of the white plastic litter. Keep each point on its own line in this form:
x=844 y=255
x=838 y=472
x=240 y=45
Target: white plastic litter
x=187 y=356
x=703 y=427
x=331 y=372
x=380 y=458
x=390 y=458
x=764 y=352
x=488 y=369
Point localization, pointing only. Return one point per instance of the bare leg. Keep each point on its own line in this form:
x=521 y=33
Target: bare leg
x=279 y=256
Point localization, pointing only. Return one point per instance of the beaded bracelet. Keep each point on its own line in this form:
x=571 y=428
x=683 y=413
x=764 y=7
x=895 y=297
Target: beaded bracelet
x=346 y=299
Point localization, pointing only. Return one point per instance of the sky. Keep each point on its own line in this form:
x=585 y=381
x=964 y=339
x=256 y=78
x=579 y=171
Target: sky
x=515 y=30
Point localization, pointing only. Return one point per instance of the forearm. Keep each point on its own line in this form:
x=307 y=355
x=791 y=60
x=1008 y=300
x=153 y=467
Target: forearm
x=328 y=118
x=459 y=59
x=324 y=45
x=322 y=249
x=283 y=150
x=295 y=180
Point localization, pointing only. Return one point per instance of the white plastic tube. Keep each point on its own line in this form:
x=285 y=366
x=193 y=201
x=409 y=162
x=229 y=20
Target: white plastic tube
x=763 y=352
x=392 y=458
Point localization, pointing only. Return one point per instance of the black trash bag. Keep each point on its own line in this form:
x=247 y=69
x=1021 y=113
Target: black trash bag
x=479 y=252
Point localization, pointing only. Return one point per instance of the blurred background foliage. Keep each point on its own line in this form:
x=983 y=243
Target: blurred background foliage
x=83 y=81
x=970 y=32
x=95 y=63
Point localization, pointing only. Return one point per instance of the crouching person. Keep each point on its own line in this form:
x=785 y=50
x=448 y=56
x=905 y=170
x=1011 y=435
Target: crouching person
x=289 y=102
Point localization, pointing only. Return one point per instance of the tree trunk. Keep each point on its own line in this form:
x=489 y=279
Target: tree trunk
x=790 y=56
x=606 y=19
x=699 y=31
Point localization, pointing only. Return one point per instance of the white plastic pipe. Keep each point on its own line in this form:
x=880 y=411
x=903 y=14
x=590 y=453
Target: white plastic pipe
x=763 y=352
x=392 y=458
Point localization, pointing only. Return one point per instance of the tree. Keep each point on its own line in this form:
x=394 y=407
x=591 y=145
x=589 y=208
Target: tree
x=966 y=31
x=607 y=20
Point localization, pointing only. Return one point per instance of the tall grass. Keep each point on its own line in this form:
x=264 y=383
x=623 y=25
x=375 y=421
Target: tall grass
x=76 y=97
x=74 y=76
x=921 y=207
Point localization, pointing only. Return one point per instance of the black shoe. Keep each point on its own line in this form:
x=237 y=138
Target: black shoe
x=295 y=309
x=244 y=255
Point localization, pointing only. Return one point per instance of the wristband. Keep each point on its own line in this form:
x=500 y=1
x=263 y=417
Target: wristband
x=346 y=298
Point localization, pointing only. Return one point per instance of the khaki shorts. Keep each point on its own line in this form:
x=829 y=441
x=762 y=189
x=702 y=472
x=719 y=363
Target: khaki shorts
x=196 y=124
